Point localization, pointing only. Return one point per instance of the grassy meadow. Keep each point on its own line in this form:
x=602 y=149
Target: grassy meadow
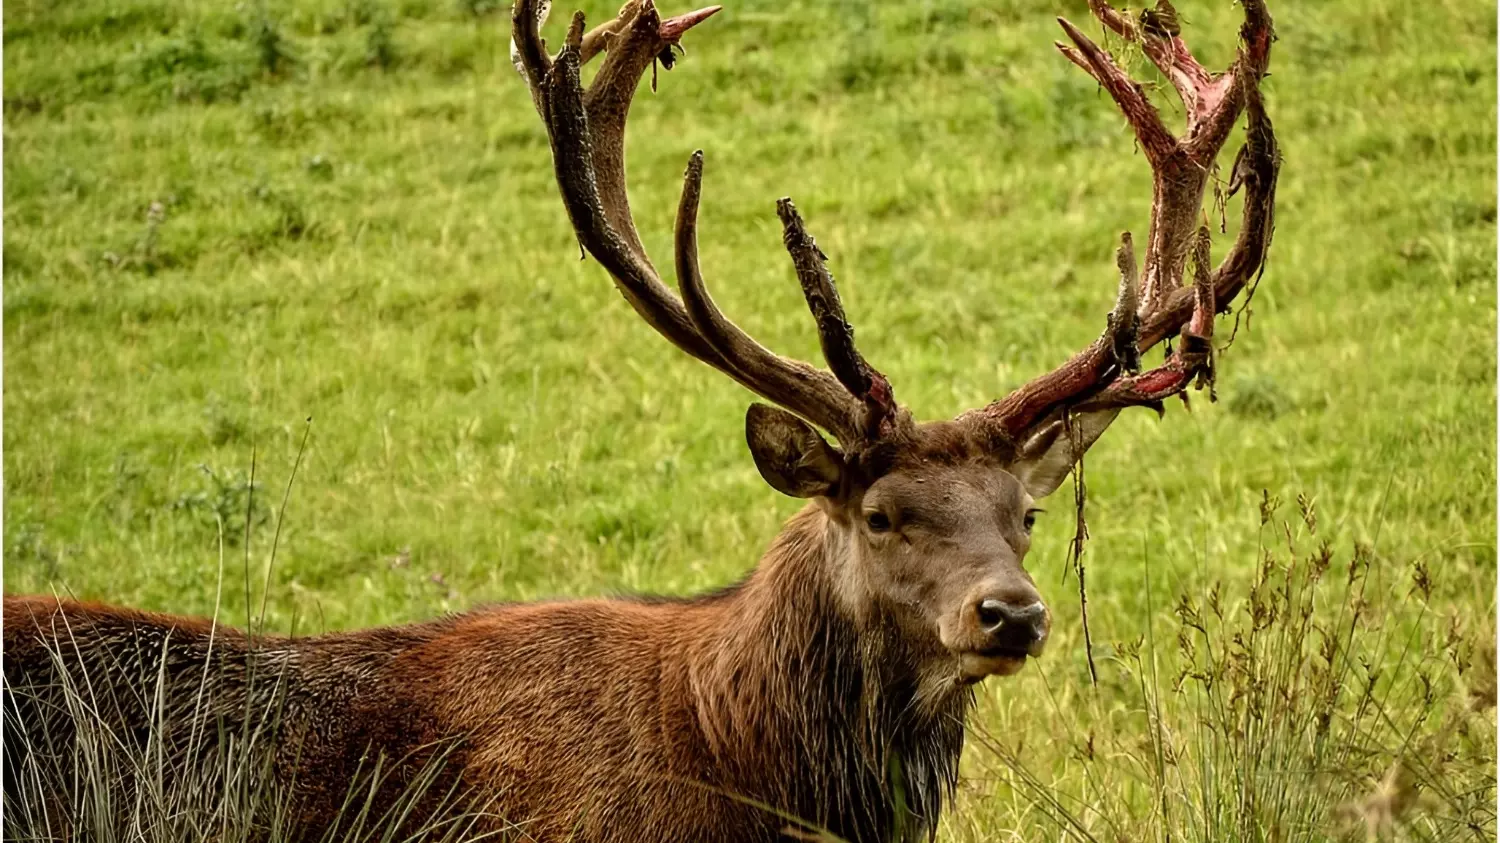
x=221 y=221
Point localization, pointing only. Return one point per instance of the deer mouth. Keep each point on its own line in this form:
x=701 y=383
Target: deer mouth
x=977 y=665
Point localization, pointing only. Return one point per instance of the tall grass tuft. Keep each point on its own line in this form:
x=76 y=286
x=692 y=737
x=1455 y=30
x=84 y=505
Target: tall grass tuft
x=83 y=763
x=1321 y=705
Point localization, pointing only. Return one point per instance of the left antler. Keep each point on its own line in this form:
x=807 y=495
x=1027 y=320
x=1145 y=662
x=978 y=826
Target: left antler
x=587 y=128
x=1156 y=305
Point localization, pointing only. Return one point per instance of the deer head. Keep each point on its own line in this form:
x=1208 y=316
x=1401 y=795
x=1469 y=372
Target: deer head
x=930 y=522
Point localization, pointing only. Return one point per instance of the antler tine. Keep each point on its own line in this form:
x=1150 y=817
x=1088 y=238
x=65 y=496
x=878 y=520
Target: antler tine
x=1220 y=106
x=528 y=52
x=1156 y=141
x=574 y=160
x=1193 y=358
x=809 y=392
x=1125 y=320
x=1159 y=35
x=635 y=44
x=1100 y=378
x=1255 y=169
x=587 y=130
x=835 y=334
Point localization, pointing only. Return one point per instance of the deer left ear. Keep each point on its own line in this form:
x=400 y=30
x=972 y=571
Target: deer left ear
x=1050 y=453
x=790 y=454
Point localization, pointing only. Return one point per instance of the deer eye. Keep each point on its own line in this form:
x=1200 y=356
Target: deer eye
x=1030 y=520
x=878 y=521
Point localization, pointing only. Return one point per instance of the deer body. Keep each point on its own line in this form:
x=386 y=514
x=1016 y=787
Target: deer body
x=824 y=693
x=596 y=719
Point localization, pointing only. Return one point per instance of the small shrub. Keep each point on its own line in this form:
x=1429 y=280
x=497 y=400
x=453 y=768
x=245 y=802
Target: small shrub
x=172 y=56
x=866 y=66
x=27 y=543
x=1257 y=397
x=187 y=69
x=222 y=425
x=272 y=51
x=289 y=218
x=23 y=105
x=380 y=48
x=276 y=122
x=223 y=499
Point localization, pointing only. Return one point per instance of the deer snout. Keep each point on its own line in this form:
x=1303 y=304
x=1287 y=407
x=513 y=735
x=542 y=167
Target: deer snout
x=995 y=628
x=1011 y=625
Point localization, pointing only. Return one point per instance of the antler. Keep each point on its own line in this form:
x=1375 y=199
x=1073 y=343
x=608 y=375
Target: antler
x=587 y=129
x=1105 y=376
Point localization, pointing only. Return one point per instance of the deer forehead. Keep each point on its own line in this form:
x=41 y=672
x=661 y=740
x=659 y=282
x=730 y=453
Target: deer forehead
x=950 y=496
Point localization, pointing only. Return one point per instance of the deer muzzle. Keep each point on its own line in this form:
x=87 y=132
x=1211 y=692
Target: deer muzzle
x=997 y=633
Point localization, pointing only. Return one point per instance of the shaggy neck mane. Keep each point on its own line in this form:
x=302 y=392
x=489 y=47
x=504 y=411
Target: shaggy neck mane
x=819 y=713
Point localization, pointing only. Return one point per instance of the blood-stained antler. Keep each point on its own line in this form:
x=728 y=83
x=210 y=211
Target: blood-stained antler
x=1156 y=306
x=587 y=129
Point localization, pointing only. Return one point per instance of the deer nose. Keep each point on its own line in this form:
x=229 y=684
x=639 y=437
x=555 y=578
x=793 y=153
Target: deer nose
x=1013 y=626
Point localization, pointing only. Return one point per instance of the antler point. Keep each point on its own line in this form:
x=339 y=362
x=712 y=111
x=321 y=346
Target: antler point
x=575 y=31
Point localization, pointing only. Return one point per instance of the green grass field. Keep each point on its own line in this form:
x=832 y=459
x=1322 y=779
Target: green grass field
x=221 y=221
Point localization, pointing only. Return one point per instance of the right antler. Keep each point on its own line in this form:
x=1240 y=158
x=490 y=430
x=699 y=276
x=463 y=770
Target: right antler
x=1104 y=377
x=587 y=129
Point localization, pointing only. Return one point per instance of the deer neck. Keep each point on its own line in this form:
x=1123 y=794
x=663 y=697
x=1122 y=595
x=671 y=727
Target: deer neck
x=810 y=695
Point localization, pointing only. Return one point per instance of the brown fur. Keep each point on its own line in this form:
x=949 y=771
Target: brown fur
x=815 y=689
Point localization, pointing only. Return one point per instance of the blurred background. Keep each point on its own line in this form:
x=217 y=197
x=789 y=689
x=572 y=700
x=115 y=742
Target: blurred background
x=223 y=221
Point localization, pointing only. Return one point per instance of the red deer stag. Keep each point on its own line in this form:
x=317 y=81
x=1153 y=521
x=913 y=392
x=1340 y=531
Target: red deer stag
x=828 y=689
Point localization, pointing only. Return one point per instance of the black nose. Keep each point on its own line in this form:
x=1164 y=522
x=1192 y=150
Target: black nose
x=1010 y=626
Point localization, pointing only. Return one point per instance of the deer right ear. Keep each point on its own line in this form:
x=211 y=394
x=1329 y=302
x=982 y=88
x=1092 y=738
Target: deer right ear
x=790 y=454
x=1049 y=454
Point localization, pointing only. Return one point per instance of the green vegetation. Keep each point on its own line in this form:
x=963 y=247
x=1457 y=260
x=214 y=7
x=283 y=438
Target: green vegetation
x=221 y=220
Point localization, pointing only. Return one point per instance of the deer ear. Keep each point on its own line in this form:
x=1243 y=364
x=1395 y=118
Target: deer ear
x=792 y=457
x=1048 y=456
